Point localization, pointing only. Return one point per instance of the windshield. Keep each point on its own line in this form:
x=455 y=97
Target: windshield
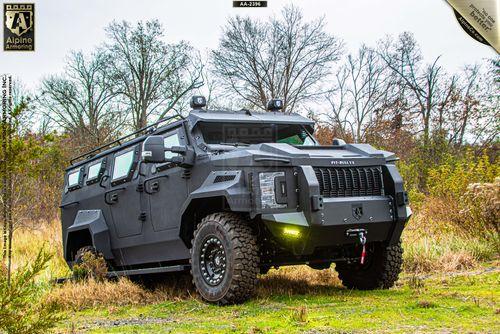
x=251 y=133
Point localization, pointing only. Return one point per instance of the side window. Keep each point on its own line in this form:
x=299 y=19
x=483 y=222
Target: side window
x=169 y=141
x=95 y=171
x=122 y=166
x=75 y=179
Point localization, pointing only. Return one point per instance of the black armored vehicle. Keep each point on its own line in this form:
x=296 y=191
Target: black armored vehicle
x=229 y=195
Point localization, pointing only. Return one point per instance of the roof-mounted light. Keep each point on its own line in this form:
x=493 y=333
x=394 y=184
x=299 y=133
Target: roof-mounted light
x=198 y=102
x=338 y=142
x=275 y=105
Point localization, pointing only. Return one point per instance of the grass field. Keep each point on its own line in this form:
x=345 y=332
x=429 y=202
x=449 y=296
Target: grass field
x=450 y=283
x=459 y=302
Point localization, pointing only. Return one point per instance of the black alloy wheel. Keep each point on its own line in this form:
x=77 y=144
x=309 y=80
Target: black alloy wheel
x=213 y=261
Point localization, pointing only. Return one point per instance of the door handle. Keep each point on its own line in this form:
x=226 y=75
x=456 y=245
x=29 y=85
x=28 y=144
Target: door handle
x=152 y=185
x=111 y=197
x=155 y=186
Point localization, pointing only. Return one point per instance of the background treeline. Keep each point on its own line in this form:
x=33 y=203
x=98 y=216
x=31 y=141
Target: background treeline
x=443 y=125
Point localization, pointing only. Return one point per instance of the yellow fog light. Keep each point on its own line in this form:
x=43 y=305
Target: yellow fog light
x=291 y=232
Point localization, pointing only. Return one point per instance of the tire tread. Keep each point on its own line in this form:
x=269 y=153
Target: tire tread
x=382 y=276
x=246 y=255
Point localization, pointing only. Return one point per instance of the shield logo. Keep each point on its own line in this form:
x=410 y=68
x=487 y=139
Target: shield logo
x=19 y=19
x=357 y=211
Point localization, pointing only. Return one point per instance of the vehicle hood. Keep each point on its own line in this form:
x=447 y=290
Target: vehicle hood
x=285 y=154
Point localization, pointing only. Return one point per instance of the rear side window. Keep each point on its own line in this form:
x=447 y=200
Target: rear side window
x=95 y=171
x=123 y=164
x=75 y=178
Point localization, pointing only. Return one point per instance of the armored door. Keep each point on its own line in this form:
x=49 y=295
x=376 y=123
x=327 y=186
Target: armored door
x=123 y=195
x=166 y=187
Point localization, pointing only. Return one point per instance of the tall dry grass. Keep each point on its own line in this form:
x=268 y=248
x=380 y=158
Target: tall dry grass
x=480 y=208
x=27 y=242
x=300 y=280
x=93 y=293
x=447 y=234
x=288 y=281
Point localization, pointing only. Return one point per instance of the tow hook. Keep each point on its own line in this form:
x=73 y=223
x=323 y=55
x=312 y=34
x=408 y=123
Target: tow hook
x=360 y=233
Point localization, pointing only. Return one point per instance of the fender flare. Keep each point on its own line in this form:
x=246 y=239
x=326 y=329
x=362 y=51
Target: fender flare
x=221 y=190
x=232 y=188
x=94 y=223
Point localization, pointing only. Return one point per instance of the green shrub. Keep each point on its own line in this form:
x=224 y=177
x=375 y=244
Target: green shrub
x=451 y=178
x=93 y=266
x=411 y=173
x=460 y=191
x=23 y=308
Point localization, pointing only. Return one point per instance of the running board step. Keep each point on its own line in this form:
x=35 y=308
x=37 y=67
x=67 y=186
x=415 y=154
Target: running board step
x=144 y=271
x=131 y=272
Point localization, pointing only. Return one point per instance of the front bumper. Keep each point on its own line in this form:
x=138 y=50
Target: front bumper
x=323 y=222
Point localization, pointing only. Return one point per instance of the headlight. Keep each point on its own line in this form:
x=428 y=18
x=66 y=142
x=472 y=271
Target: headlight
x=268 y=191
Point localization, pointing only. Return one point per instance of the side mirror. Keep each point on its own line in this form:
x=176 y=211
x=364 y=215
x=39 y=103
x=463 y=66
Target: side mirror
x=185 y=158
x=153 y=150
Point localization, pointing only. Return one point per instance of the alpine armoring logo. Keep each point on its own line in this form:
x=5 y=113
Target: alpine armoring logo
x=19 y=27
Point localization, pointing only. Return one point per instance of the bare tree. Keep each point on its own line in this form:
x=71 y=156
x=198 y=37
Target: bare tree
x=81 y=101
x=152 y=76
x=359 y=95
x=454 y=118
x=283 y=57
x=468 y=112
x=424 y=82
x=214 y=94
x=483 y=103
x=337 y=116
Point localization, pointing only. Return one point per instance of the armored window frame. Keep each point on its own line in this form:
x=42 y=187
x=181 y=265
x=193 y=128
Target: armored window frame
x=131 y=169
x=79 y=180
x=100 y=172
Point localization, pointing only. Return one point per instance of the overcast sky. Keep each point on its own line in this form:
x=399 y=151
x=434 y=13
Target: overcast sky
x=63 y=25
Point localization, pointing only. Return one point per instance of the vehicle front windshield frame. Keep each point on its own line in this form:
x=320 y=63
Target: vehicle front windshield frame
x=248 y=133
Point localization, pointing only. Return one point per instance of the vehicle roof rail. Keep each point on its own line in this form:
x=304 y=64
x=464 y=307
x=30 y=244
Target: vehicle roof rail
x=147 y=129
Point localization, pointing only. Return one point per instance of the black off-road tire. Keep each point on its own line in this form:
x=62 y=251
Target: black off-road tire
x=238 y=255
x=263 y=270
x=381 y=270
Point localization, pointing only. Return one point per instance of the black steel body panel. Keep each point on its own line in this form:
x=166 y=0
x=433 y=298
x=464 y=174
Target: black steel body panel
x=149 y=216
x=93 y=221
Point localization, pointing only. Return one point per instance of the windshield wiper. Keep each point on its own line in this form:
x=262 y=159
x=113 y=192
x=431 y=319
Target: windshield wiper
x=235 y=144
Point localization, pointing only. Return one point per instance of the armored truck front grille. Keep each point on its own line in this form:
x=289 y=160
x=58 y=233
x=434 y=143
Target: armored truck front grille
x=350 y=181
